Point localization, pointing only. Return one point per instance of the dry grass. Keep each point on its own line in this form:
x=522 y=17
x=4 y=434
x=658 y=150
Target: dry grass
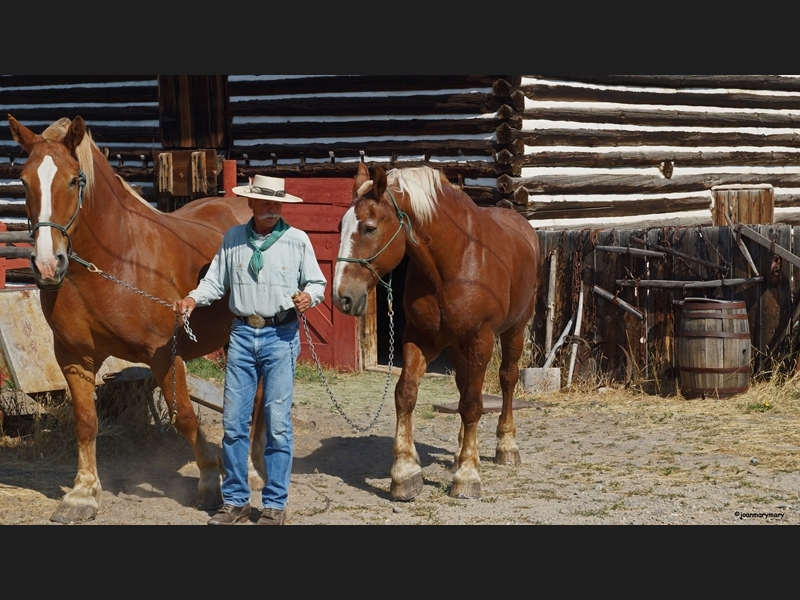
x=130 y=415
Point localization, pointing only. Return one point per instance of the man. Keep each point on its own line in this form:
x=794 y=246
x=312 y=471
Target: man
x=272 y=273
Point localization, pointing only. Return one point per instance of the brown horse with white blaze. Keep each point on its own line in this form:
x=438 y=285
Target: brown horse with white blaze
x=472 y=275
x=87 y=222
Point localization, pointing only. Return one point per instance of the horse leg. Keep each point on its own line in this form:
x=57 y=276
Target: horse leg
x=467 y=479
x=207 y=457
x=406 y=471
x=256 y=469
x=82 y=501
x=460 y=366
x=507 y=451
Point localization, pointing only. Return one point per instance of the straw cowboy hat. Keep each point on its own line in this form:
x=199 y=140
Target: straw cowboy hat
x=265 y=188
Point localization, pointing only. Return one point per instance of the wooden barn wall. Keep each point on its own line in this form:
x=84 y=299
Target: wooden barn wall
x=631 y=151
x=280 y=125
x=648 y=345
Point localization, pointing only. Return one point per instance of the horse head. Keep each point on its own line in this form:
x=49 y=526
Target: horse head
x=373 y=241
x=54 y=185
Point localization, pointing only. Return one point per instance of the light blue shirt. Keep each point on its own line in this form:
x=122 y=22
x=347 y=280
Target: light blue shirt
x=289 y=265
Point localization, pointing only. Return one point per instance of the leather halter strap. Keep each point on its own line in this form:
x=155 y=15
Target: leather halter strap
x=404 y=220
x=63 y=228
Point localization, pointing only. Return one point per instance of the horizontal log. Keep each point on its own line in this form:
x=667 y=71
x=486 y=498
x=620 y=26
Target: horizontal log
x=714 y=283
x=751 y=82
x=20 y=276
x=646 y=157
x=440 y=104
x=53 y=80
x=15 y=252
x=15 y=237
x=361 y=83
x=317 y=149
x=75 y=95
x=469 y=169
x=93 y=115
x=16 y=209
x=724 y=98
x=662 y=117
x=615 y=138
x=568 y=209
x=377 y=128
x=633 y=184
x=118 y=134
x=681 y=219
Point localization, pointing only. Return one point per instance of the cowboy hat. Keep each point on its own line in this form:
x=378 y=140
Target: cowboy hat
x=265 y=188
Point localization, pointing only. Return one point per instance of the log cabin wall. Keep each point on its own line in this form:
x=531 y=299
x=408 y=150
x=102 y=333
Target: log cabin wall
x=631 y=150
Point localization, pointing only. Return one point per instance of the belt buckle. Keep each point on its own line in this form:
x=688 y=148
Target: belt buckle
x=256 y=321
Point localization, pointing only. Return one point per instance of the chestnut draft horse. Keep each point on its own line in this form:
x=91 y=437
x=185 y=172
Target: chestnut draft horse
x=87 y=222
x=472 y=275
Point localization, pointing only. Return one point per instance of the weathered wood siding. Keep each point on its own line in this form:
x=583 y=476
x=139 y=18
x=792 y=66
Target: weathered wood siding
x=649 y=343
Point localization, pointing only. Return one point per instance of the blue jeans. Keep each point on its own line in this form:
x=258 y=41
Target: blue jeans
x=270 y=352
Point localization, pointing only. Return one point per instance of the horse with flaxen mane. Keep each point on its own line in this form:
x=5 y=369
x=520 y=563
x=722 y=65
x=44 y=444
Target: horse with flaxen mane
x=472 y=275
x=87 y=220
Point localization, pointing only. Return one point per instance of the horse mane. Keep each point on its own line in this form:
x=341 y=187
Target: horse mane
x=421 y=185
x=58 y=130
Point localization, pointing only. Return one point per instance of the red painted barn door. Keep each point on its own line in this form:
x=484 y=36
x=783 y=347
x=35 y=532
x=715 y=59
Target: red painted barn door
x=325 y=200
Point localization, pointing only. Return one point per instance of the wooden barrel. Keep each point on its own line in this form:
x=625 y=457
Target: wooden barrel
x=713 y=348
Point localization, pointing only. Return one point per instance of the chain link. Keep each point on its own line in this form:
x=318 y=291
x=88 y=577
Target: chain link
x=336 y=404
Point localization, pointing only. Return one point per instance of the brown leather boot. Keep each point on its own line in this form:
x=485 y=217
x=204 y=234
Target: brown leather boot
x=230 y=515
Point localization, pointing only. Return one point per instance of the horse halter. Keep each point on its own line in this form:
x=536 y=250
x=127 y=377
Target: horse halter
x=404 y=220
x=63 y=228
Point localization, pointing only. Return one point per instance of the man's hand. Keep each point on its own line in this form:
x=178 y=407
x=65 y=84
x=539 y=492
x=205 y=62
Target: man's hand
x=302 y=301
x=182 y=306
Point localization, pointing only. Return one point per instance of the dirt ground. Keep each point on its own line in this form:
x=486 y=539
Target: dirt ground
x=589 y=457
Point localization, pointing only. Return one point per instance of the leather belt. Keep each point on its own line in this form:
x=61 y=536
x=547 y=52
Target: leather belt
x=282 y=318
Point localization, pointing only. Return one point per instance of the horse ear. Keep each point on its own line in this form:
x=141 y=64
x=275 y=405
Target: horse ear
x=21 y=134
x=361 y=176
x=379 y=185
x=75 y=133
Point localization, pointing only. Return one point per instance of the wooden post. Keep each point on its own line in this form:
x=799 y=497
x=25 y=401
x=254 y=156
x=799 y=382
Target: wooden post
x=229 y=177
x=748 y=204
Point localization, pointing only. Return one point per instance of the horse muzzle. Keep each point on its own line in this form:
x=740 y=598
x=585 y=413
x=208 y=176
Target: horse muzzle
x=354 y=304
x=54 y=278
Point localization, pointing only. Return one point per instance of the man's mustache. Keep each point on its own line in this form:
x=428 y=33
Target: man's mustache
x=266 y=216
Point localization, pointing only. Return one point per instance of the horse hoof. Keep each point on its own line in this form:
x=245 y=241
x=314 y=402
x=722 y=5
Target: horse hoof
x=74 y=514
x=507 y=458
x=408 y=489
x=466 y=491
x=208 y=502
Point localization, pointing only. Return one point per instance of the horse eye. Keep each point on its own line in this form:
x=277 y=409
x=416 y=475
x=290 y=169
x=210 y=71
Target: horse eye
x=74 y=182
x=369 y=230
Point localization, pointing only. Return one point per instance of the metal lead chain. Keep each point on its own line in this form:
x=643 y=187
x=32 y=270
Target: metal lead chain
x=388 y=372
